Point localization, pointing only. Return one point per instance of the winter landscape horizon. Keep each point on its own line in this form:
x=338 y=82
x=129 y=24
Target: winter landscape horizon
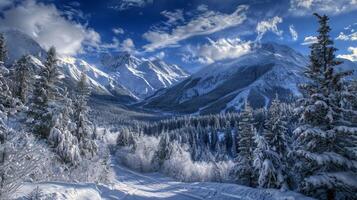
x=178 y=99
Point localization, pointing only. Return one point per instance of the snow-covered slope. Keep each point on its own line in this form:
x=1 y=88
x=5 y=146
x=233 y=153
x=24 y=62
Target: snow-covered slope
x=141 y=76
x=269 y=69
x=129 y=184
x=100 y=82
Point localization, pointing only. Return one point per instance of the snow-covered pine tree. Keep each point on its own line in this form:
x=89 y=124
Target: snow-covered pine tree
x=326 y=142
x=125 y=138
x=244 y=171
x=18 y=158
x=4 y=97
x=84 y=127
x=3 y=50
x=46 y=92
x=61 y=134
x=7 y=102
x=275 y=133
x=228 y=138
x=276 y=127
x=350 y=101
x=164 y=150
x=22 y=78
x=267 y=163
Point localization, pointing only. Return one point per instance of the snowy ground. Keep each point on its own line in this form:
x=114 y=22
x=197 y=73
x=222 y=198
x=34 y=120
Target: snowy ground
x=129 y=184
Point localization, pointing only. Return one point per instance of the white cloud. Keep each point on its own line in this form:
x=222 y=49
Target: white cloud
x=48 y=27
x=128 y=4
x=348 y=37
x=118 y=31
x=207 y=22
x=115 y=45
x=161 y=55
x=218 y=50
x=173 y=17
x=309 y=40
x=352 y=56
x=202 y=7
x=293 y=33
x=332 y=7
x=269 y=25
x=127 y=45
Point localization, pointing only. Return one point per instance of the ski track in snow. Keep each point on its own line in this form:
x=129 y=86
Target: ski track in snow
x=132 y=185
x=153 y=186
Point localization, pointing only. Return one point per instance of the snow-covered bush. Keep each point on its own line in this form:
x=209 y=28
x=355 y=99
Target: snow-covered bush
x=140 y=156
x=21 y=158
x=181 y=166
x=96 y=169
x=176 y=162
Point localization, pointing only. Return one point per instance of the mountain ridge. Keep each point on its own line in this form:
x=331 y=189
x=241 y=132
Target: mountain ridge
x=270 y=69
x=106 y=82
x=142 y=76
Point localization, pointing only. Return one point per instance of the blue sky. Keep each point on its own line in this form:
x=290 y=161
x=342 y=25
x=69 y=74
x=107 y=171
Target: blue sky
x=191 y=33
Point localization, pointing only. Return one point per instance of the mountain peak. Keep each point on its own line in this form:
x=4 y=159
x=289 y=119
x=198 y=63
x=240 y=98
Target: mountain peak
x=141 y=76
x=121 y=59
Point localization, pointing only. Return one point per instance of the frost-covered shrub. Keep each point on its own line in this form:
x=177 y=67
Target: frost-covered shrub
x=176 y=163
x=140 y=158
x=181 y=166
x=21 y=159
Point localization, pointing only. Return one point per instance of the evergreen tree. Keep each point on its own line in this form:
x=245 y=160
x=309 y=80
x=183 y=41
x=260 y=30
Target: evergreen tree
x=3 y=50
x=84 y=127
x=164 y=150
x=350 y=102
x=275 y=132
x=326 y=142
x=267 y=163
x=45 y=94
x=245 y=144
x=22 y=78
x=17 y=156
x=5 y=96
x=276 y=127
x=61 y=135
x=7 y=102
x=125 y=138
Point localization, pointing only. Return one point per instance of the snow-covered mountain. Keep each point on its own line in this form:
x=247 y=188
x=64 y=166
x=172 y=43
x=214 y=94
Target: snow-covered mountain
x=125 y=75
x=100 y=82
x=269 y=69
x=19 y=44
x=142 y=76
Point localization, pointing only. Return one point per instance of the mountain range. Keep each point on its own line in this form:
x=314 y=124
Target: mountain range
x=267 y=71
x=122 y=76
